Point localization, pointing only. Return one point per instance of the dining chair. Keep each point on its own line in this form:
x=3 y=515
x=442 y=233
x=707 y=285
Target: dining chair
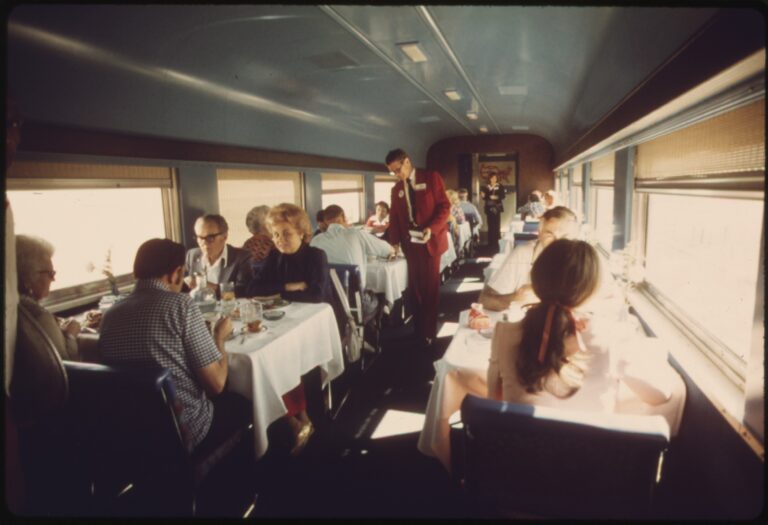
x=529 y=461
x=126 y=422
x=530 y=226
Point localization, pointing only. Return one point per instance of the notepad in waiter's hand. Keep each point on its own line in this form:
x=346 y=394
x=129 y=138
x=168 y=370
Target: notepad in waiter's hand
x=417 y=237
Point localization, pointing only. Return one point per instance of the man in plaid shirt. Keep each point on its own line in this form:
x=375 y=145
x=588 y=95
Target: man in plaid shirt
x=157 y=326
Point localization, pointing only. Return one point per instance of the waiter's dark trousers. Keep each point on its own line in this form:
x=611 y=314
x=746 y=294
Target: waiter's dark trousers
x=423 y=288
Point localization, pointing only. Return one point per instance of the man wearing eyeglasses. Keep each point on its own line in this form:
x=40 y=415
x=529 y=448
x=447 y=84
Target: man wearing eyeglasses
x=217 y=260
x=418 y=223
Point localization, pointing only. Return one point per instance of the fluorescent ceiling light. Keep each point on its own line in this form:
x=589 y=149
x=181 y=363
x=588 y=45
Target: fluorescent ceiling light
x=471 y=115
x=452 y=94
x=483 y=129
x=513 y=90
x=430 y=118
x=412 y=51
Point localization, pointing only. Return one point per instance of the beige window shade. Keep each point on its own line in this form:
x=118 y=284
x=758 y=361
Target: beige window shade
x=730 y=143
x=577 y=174
x=602 y=168
x=333 y=182
x=32 y=170
x=245 y=174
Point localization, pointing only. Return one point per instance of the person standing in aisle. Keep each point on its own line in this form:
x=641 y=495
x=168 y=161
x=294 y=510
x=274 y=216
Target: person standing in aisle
x=493 y=194
x=418 y=218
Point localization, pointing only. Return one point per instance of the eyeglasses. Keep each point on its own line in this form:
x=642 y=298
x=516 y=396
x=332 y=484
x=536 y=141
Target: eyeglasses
x=50 y=273
x=399 y=169
x=208 y=238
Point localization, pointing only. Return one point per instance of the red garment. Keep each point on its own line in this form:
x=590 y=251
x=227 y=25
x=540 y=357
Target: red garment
x=259 y=245
x=432 y=211
x=295 y=401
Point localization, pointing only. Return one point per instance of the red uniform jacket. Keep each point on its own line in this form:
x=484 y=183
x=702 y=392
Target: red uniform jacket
x=432 y=211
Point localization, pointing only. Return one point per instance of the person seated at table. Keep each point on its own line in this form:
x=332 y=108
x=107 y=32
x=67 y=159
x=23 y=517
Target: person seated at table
x=511 y=280
x=35 y=275
x=471 y=212
x=558 y=354
x=378 y=223
x=550 y=199
x=260 y=243
x=219 y=261
x=321 y=226
x=534 y=208
x=158 y=326
x=298 y=272
x=345 y=245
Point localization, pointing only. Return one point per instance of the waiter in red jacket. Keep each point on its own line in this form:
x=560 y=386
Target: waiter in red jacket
x=418 y=222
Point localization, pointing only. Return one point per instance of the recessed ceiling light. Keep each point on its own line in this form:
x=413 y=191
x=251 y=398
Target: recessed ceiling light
x=483 y=129
x=452 y=94
x=513 y=90
x=412 y=51
x=471 y=115
x=430 y=118
x=521 y=128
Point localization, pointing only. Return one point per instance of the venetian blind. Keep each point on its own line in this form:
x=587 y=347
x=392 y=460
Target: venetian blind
x=124 y=175
x=728 y=144
x=602 y=168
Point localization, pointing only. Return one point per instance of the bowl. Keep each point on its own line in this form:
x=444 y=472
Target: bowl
x=273 y=315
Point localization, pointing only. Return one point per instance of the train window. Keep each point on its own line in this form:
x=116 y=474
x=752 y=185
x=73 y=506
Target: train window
x=346 y=191
x=701 y=253
x=382 y=189
x=242 y=189
x=604 y=217
x=91 y=213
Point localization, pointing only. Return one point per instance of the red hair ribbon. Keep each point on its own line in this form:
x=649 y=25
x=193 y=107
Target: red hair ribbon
x=577 y=326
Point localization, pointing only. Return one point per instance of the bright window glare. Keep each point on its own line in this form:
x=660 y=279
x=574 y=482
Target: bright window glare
x=604 y=218
x=350 y=203
x=83 y=225
x=703 y=253
x=382 y=191
x=397 y=422
x=468 y=284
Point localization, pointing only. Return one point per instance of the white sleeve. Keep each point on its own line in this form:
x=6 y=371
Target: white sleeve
x=373 y=245
x=513 y=272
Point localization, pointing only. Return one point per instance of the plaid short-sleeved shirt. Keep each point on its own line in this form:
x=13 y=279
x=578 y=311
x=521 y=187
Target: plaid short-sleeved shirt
x=157 y=327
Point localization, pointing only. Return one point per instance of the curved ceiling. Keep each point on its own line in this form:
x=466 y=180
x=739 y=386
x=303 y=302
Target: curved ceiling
x=331 y=80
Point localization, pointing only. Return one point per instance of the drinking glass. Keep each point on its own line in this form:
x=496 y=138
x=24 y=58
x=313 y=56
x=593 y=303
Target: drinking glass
x=227 y=291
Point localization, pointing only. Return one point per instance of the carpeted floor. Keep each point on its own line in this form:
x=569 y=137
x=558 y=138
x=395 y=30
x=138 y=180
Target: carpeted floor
x=347 y=469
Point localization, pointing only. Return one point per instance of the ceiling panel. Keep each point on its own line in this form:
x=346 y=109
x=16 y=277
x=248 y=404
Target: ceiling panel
x=331 y=80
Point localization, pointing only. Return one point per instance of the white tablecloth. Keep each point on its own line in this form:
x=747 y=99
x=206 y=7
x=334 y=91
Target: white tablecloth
x=449 y=255
x=463 y=370
x=270 y=364
x=387 y=277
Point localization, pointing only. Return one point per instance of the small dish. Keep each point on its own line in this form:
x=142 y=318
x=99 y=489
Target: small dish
x=273 y=315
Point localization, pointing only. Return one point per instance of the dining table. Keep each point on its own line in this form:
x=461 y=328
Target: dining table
x=449 y=255
x=463 y=370
x=265 y=365
x=387 y=277
x=465 y=234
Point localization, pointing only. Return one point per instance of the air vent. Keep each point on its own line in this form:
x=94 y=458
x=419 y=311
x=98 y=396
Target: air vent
x=332 y=60
x=513 y=90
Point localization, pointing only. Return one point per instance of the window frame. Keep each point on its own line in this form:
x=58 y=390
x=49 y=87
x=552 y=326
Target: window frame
x=335 y=175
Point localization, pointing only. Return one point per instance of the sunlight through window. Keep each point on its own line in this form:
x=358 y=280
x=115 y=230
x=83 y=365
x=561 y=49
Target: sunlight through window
x=447 y=330
x=398 y=422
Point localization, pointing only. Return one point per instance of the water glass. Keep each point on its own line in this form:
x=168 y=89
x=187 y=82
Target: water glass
x=227 y=291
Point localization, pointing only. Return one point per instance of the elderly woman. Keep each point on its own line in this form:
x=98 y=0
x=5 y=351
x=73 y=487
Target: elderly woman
x=297 y=272
x=260 y=243
x=36 y=273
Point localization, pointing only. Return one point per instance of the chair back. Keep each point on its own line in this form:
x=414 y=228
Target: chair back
x=561 y=463
x=349 y=276
x=127 y=419
x=530 y=227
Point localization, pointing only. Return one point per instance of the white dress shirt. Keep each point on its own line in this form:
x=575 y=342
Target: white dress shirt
x=213 y=271
x=350 y=246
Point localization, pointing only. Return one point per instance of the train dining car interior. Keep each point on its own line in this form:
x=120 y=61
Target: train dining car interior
x=355 y=261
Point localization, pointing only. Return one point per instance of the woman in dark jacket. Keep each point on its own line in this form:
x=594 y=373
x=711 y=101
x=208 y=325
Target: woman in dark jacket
x=298 y=272
x=493 y=194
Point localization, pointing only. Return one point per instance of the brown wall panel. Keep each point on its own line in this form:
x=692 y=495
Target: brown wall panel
x=52 y=138
x=535 y=157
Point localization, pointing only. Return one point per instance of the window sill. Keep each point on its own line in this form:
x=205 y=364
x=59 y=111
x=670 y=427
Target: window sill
x=722 y=392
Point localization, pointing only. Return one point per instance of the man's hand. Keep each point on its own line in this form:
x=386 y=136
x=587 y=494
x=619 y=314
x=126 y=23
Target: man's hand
x=221 y=330
x=396 y=249
x=70 y=327
x=427 y=234
x=191 y=281
x=295 y=287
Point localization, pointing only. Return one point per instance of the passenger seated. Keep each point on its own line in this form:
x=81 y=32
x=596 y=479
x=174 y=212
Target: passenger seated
x=217 y=260
x=511 y=280
x=559 y=355
x=298 y=272
x=378 y=223
x=321 y=226
x=533 y=208
x=157 y=326
x=260 y=243
x=471 y=212
x=345 y=245
x=36 y=273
